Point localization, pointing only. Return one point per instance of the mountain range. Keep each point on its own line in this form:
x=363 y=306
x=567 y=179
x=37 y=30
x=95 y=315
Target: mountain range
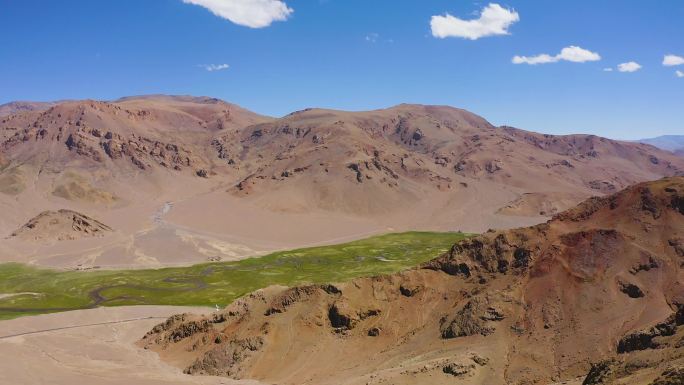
x=181 y=179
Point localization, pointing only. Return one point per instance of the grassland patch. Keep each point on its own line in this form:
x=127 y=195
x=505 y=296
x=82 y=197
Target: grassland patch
x=214 y=283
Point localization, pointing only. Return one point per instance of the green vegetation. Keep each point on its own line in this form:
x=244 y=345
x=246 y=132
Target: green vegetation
x=47 y=291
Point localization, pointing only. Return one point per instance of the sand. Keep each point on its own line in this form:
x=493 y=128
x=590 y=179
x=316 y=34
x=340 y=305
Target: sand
x=204 y=223
x=94 y=347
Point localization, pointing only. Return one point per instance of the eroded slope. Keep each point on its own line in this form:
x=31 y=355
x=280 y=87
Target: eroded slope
x=61 y=225
x=593 y=295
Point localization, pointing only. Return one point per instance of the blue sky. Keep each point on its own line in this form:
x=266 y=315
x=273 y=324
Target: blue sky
x=359 y=55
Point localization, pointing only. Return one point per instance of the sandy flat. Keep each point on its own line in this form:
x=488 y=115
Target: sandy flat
x=94 y=347
x=218 y=226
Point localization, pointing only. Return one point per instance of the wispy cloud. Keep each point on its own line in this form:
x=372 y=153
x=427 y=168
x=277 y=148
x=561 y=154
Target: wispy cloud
x=629 y=67
x=214 y=67
x=672 y=60
x=248 y=13
x=493 y=20
x=537 y=59
x=377 y=38
x=607 y=69
x=679 y=74
x=372 y=37
x=572 y=53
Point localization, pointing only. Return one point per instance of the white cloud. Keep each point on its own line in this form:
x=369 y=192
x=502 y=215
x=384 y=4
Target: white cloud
x=578 y=55
x=493 y=20
x=629 y=67
x=607 y=69
x=248 y=13
x=572 y=54
x=214 y=67
x=673 y=60
x=679 y=74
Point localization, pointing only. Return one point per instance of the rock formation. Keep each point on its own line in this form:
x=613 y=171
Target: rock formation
x=61 y=225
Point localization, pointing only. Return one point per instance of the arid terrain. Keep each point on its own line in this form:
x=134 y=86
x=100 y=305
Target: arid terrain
x=593 y=296
x=62 y=225
x=290 y=192
x=157 y=181
x=92 y=347
x=181 y=179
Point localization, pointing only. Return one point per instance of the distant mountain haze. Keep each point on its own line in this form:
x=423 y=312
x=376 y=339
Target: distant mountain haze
x=672 y=143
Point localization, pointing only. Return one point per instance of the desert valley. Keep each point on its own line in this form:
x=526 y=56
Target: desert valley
x=589 y=290
x=291 y=192
x=163 y=173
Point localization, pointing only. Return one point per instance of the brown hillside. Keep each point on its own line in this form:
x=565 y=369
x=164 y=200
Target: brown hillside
x=139 y=132
x=595 y=295
x=61 y=225
x=387 y=160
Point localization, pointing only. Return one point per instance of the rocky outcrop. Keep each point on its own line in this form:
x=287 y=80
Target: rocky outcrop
x=647 y=265
x=478 y=316
x=223 y=150
x=60 y=226
x=671 y=376
x=602 y=372
x=226 y=358
x=458 y=369
x=502 y=253
x=167 y=155
x=81 y=145
x=630 y=289
x=342 y=316
x=291 y=296
x=649 y=338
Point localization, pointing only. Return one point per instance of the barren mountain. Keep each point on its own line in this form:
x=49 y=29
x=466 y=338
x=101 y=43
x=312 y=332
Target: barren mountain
x=593 y=296
x=17 y=107
x=672 y=143
x=183 y=179
x=374 y=162
x=120 y=161
x=138 y=132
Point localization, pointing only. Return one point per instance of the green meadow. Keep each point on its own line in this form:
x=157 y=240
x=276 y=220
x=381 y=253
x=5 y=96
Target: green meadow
x=46 y=291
